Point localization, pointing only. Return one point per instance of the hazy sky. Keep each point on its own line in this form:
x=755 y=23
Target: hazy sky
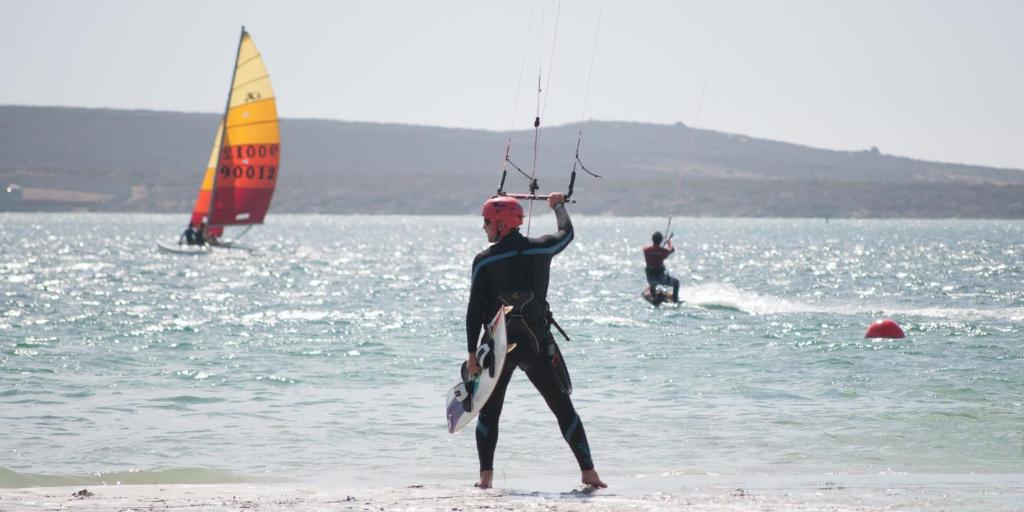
x=937 y=80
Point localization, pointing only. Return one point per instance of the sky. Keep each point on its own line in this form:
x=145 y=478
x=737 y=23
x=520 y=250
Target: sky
x=928 y=79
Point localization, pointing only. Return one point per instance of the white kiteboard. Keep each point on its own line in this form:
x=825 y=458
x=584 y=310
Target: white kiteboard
x=657 y=297
x=479 y=387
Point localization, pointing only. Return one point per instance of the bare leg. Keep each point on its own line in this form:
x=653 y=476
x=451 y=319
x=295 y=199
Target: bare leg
x=486 y=477
x=590 y=478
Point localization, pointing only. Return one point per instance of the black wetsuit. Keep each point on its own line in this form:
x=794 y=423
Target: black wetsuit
x=520 y=263
x=189 y=236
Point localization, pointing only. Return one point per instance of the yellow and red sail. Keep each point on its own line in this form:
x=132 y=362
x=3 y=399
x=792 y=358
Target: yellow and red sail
x=243 y=167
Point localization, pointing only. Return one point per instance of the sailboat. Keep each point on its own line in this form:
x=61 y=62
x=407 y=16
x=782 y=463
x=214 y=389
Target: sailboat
x=242 y=170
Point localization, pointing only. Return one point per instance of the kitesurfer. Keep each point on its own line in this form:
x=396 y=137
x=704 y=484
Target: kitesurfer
x=514 y=271
x=655 y=255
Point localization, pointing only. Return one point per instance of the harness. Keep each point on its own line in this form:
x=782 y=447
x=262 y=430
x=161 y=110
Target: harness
x=654 y=271
x=528 y=324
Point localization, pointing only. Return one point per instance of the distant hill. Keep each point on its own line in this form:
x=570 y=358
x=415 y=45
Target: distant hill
x=64 y=159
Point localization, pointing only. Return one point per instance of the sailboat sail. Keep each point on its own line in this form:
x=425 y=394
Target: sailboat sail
x=242 y=170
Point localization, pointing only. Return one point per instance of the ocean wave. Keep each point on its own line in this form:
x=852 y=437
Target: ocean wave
x=10 y=479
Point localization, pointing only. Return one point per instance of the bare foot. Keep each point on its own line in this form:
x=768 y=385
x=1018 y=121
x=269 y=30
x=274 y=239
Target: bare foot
x=486 y=477
x=590 y=478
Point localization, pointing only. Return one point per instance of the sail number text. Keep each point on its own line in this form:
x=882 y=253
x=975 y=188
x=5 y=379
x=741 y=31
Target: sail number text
x=252 y=172
x=250 y=151
x=231 y=156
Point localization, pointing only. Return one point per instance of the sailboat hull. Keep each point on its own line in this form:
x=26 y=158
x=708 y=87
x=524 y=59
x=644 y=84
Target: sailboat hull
x=174 y=248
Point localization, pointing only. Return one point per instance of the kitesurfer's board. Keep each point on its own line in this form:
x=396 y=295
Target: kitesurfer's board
x=657 y=297
x=183 y=248
x=479 y=386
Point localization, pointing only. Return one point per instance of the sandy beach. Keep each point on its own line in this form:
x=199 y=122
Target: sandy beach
x=415 y=498
x=713 y=494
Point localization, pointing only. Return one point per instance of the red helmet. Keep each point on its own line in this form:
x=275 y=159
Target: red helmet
x=506 y=210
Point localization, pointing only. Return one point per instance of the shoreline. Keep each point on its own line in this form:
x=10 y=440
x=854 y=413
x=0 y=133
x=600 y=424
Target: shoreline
x=837 y=493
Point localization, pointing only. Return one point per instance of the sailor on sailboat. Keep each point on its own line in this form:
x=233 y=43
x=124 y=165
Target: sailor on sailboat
x=242 y=171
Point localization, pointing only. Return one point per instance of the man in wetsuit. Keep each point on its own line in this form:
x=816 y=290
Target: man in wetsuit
x=655 y=255
x=193 y=235
x=514 y=271
x=189 y=236
x=201 y=234
x=208 y=237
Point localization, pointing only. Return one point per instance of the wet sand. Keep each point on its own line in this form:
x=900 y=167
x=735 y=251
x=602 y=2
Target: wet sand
x=412 y=499
x=716 y=496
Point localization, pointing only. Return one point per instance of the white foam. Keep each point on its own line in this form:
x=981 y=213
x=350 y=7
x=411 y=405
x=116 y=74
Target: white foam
x=725 y=295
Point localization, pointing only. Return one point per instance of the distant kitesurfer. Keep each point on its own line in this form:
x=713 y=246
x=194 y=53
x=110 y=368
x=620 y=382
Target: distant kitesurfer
x=514 y=272
x=655 y=255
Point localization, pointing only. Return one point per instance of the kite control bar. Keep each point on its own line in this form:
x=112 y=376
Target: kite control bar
x=534 y=186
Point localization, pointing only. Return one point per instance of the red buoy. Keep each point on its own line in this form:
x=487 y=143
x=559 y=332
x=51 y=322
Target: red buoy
x=884 y=328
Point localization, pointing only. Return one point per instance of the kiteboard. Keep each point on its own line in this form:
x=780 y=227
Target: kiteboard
x=657 y=297
x=468 y=396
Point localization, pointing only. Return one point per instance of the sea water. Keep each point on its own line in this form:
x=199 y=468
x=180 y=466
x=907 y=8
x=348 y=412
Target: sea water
x=324 y=355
